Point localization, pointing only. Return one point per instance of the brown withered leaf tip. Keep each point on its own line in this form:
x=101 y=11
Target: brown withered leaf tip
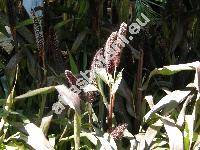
x=117 y=133
x=70 y=77
x=89 y=96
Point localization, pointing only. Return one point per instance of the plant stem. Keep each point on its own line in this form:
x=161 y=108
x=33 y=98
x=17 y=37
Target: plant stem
x=77 y=127
x=89 y=107
x=101 y=113
x=112 y=102
x=8 y=105
x=42 y=106
x=139 y=85
x=63 y=133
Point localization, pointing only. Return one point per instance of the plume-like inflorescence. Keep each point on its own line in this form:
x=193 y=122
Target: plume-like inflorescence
x=120 y=44
x=110 y=52
x=109 y=56
x=97 y=62
x=117 y=133
x=113 y=48
x=38 y=35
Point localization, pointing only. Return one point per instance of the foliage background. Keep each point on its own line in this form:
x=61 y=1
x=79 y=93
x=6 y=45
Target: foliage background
x=73 y=30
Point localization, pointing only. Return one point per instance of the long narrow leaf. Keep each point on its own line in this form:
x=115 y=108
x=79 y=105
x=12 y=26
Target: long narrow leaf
x=174 y=135
x=170 y=70
x=168 y=102
x=36 y=92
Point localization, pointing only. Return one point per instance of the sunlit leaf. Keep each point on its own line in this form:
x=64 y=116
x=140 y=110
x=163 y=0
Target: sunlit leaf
x=68 y=97
x=197 y=143
x=181 y=117
x=36 y=138
x=117 y=82
x=150 y=134
x=90 y=88
x=106 y=77
x=52 y=140
x=170 y=70
x=107 y=142
x=149 y=100
x=45 y=123
x=168 y=102
x=174 y=134
x=188 y=132
x=36 y=92
x=197 y=78
x=91 y=137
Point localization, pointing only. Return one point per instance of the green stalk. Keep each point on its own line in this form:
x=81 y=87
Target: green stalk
x=7 y=107
x=112 y=103
x=103 y=101
x=101 y=112
x=42 y=106
x=89 y=108
x=77 y=130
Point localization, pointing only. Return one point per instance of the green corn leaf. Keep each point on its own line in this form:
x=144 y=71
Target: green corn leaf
x=170 y=70
x=24 y=23
x=3 y=29
x=188 y=131
x=150 y=134
x=174 y=134
x=36 y=92
x=106 y=77
x=168 y=102
x=116 y=83
x=73 y=65
x=78 y=41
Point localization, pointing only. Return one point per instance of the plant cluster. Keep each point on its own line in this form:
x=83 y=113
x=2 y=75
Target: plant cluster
x=70 y=80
